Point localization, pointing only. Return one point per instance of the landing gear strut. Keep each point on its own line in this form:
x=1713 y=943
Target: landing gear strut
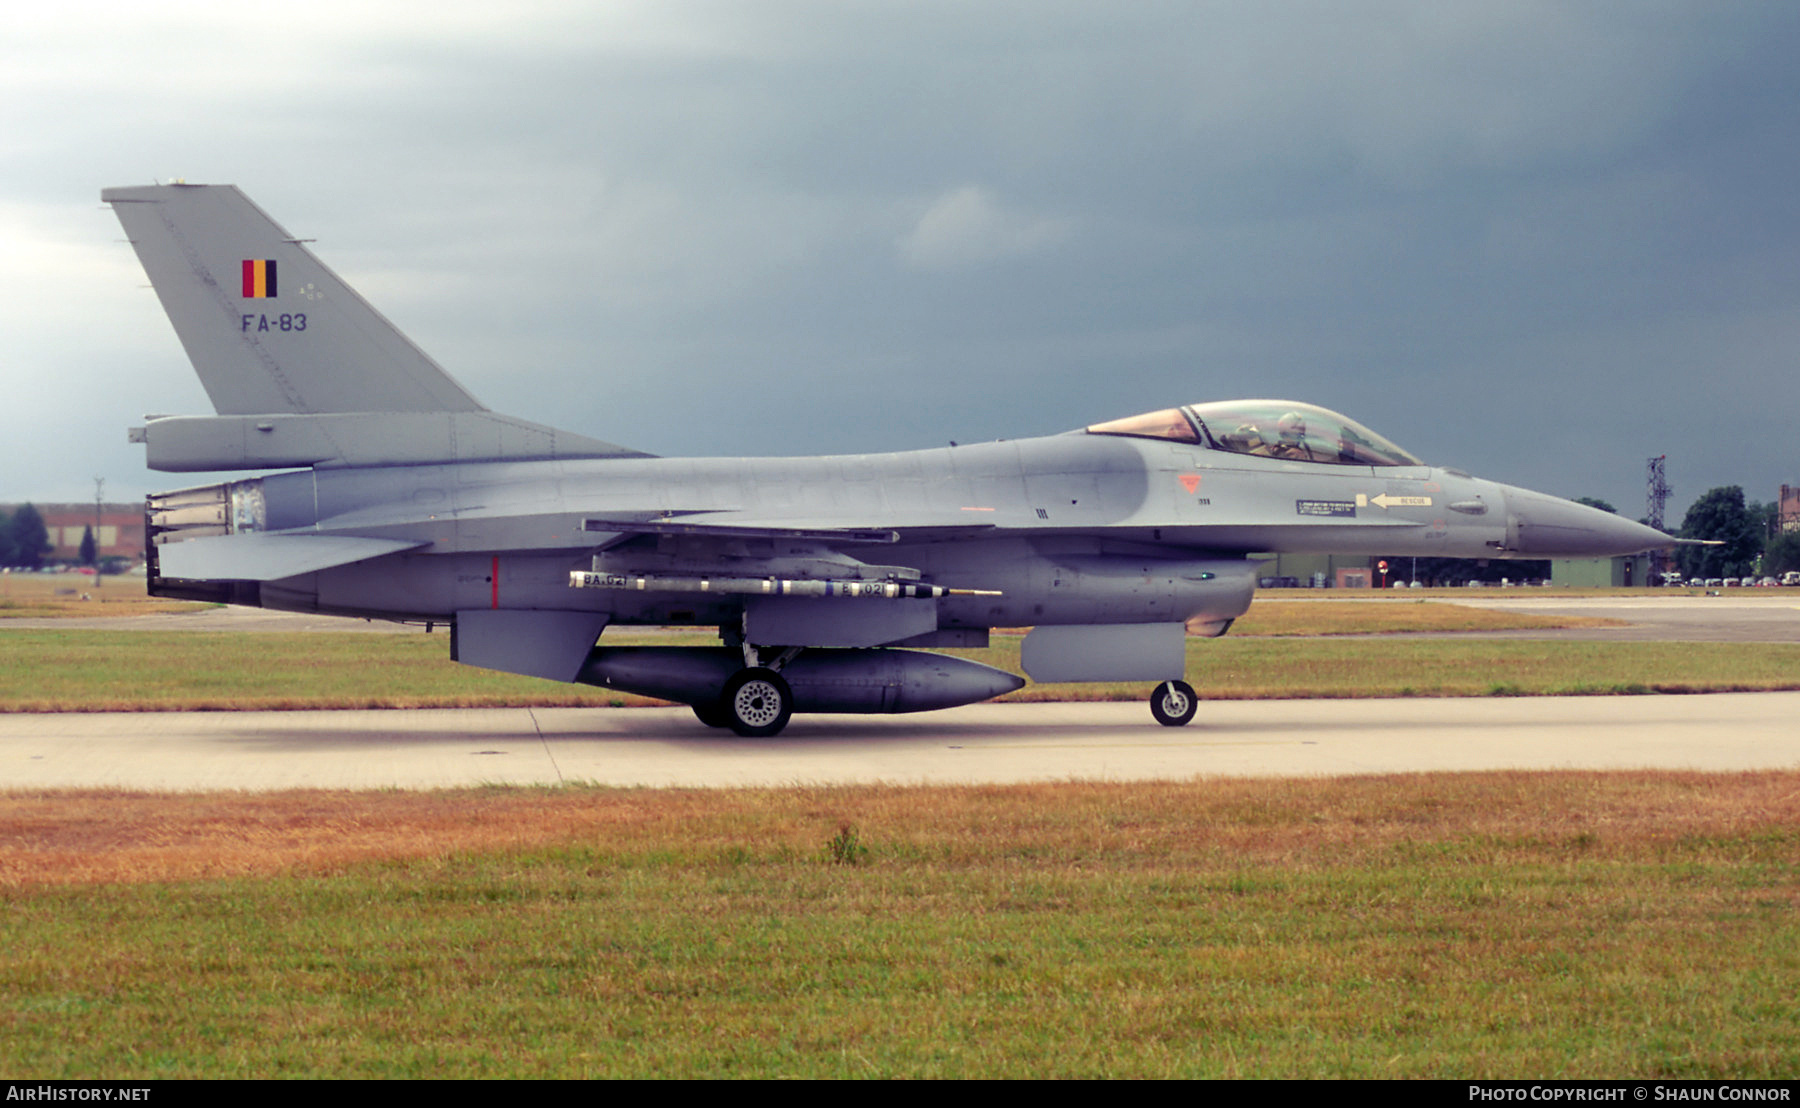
x=756 y=701
x=1173 y=703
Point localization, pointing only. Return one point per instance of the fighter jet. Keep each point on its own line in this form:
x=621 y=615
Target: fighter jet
x=829 y=579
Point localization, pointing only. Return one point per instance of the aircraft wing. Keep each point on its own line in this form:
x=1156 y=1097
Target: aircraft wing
x=268 y=557
x=731 y=525
x=699 y=529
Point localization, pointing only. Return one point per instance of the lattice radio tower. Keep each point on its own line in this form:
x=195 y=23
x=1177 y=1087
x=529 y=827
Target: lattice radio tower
x=1657 y=491
x=1656 y=495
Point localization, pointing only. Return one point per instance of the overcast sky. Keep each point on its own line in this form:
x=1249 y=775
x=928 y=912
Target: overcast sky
x=1541 y=242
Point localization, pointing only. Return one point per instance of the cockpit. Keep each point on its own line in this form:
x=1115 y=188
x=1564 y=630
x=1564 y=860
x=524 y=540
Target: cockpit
x=1265 y=429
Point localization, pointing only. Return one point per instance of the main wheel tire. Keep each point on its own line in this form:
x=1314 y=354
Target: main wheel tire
x=713 y=714
x=1173 y=703
x=757 y=702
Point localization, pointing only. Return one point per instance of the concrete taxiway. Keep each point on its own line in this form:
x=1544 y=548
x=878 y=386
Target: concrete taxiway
x=1741 y=615
x=979 y=743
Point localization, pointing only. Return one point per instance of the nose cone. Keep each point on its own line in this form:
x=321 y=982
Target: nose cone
x=1549 y=527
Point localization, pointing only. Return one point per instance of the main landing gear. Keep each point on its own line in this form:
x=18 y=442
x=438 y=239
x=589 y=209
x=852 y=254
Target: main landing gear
x=1173 y=703
x=756 y=701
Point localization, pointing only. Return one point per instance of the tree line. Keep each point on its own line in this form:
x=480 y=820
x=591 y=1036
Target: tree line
x=24 y=540
x=1748 y=533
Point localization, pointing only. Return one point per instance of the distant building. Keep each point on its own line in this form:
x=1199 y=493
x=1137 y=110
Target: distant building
x=1327 y=570
x=1789 y=509
x=1628 y=571
x=120 y=533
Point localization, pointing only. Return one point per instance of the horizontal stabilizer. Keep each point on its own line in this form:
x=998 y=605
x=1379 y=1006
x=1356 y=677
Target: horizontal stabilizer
x=268 y=557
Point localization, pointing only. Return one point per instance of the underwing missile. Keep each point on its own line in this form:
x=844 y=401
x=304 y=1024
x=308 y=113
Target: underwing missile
x=768 y=586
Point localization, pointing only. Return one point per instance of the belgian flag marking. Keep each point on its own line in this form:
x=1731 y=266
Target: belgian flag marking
x=259 y=278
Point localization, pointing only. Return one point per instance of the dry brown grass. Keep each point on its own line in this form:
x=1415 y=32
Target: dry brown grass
x=100 y=837
x=81 y=596
x=1443 y=926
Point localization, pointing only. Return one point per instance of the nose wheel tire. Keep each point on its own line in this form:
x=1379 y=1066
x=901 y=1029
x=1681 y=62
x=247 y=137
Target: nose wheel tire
x=1173 y=703
x=712 y=713
x=757 y=703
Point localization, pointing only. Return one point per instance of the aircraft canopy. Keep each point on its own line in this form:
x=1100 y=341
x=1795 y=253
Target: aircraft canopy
x=1268 y=429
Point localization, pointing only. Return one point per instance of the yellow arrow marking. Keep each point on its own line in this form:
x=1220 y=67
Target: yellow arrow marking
x=1385 y=501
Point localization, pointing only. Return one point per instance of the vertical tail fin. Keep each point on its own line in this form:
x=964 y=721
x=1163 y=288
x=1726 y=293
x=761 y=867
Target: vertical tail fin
x=270 y=329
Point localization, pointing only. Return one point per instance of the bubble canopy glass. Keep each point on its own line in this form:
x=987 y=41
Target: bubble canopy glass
x=1268 y=429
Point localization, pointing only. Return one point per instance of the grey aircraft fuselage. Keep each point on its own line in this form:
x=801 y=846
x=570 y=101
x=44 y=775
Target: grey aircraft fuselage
x=404 y=498
x=1070 y=528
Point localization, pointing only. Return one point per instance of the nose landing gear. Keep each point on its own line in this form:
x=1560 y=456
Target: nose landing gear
x=1173 y=703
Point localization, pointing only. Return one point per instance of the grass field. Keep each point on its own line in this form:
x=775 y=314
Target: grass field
x=1570 y=925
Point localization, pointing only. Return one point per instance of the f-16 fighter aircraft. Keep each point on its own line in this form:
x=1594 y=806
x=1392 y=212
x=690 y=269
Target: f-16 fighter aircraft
x=403 y=498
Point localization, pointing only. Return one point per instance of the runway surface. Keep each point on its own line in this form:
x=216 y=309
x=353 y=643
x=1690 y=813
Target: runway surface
x=982 y=743
x=1740 y=615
